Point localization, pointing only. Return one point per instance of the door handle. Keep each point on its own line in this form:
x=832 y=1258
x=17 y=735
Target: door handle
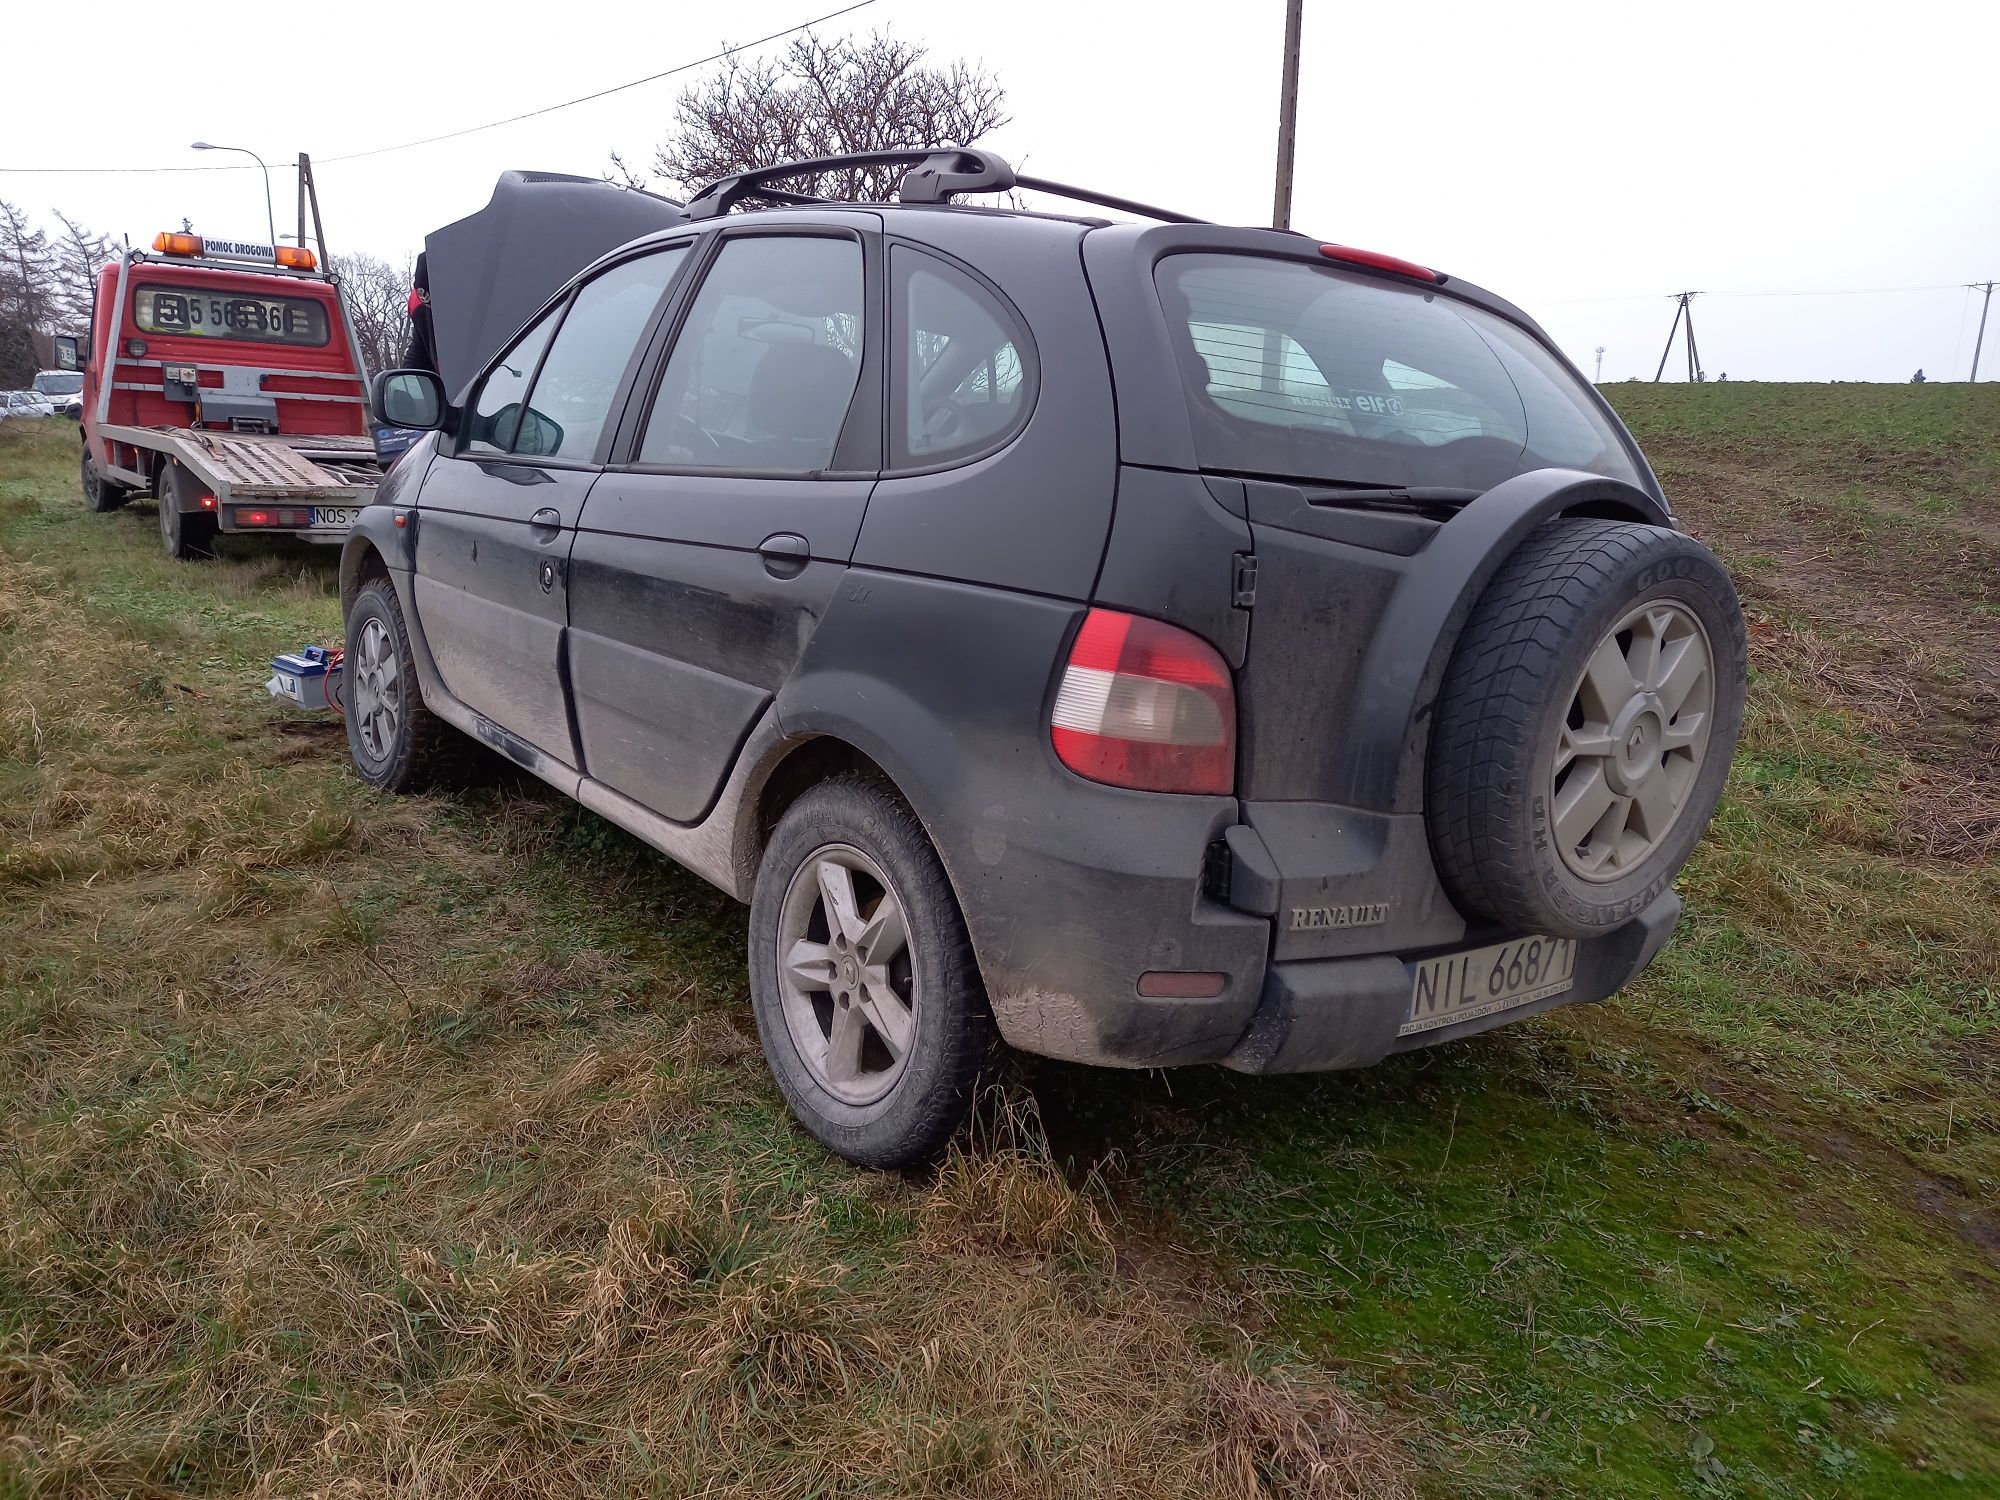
x=785 y=554
x=548 y=518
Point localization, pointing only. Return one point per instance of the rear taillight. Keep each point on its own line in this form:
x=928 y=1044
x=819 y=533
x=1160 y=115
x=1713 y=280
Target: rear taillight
x=1147 y=706
x=1375 y=260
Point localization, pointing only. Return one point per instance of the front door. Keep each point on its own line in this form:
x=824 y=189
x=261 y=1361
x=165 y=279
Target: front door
x=497 y=517
x=705 y=559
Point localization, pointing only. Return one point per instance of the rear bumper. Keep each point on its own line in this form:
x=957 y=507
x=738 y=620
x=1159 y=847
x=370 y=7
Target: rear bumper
x=1074 y=907
x=1344 y=1012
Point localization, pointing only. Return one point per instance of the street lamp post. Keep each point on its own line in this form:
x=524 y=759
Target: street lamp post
x=270 y=214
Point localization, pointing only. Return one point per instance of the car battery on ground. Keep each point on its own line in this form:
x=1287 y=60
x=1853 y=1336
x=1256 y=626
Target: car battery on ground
x=310 y=679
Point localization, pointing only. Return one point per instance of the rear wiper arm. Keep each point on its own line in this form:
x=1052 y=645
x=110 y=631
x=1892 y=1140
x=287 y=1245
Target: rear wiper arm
x=1364 y=493
x=1398 y=497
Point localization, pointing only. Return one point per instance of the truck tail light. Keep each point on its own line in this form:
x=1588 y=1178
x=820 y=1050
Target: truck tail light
x=1147 y=706
x=272 y=515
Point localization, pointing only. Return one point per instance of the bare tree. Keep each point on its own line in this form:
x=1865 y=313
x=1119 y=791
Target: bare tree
x=378 y=303
x=25 y=295
x=79 y=254
x=823 y=98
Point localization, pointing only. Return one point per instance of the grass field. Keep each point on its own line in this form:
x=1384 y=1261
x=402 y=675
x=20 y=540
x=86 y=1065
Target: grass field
x=366 y=1147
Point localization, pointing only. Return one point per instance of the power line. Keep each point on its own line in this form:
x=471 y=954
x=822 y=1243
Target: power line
x=550 y=109
x=1847 y=291
x=450 y=135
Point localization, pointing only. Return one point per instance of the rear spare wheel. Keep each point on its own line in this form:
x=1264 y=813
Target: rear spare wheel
x=1585 y=726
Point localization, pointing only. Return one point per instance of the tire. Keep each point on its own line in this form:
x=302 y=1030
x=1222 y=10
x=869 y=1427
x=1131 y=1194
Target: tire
x=186 y=531
x=867 y=1105
x=394 y=741
x=1573 y=685
x=99 y=493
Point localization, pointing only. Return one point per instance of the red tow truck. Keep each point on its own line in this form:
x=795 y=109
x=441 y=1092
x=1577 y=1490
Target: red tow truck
x=224 y=381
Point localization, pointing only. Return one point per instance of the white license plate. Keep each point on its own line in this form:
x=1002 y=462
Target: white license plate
x=337 y=516
x=1464 y=986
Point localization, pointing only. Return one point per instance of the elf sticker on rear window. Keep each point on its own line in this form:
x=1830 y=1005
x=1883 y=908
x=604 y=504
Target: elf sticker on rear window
x=1368 y=403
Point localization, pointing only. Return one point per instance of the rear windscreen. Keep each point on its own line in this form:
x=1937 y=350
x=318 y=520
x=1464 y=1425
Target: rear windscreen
x=1312 y=373
x=201 y=312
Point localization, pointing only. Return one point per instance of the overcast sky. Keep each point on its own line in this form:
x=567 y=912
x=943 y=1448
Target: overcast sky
x=1585 y=160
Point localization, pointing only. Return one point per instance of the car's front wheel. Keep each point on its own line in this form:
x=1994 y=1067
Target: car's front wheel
x=395 y=742
x=867 y=996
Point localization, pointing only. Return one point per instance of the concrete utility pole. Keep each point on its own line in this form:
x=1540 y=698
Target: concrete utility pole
x=1684 y=309
x=1987 y=287
x=1288 y=117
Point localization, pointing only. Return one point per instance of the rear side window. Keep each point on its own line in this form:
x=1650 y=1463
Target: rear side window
x=586 y=363
x=765 y=364
x=496 y=413
x=1305 y=371
x=963 y=376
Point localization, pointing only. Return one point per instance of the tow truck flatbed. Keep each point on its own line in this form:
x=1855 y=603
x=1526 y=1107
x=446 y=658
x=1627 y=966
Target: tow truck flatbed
x=325 y=467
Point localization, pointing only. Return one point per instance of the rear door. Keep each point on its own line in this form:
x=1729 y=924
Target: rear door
x=705 y=558
x=498 y=514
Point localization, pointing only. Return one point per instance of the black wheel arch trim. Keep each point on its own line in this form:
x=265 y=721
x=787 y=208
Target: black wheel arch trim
x=376 y=534
x=1419 y=630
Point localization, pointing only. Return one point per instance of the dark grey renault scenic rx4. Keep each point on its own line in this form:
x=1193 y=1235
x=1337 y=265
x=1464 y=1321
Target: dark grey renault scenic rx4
x=1142 y=644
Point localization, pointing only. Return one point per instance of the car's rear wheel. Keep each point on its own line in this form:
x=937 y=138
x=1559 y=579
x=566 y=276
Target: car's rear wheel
x=99 y=493
x=395 y=742
x=186 y=530
x=1585 y=726
x=866 y=994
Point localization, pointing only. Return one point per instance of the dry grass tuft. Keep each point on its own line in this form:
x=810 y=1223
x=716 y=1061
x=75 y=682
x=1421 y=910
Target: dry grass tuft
x=1949 y=816
x=1001 y=1190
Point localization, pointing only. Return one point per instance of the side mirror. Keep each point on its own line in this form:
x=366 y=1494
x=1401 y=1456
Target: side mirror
x=539 y=437
x=71 y=352
x=410 y=398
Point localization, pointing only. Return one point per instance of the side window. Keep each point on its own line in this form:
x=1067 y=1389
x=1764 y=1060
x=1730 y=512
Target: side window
x=573 y=394
x=962 y=374
x=765 y=365
x=496 y=411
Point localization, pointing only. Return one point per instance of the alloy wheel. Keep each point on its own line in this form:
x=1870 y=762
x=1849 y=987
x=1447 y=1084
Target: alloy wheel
x=378 y=689
x=846 y=974
x=1633 y=741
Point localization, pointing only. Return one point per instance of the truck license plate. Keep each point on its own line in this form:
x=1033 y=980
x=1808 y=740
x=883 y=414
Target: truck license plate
x=341 y=517
x=1464 y=986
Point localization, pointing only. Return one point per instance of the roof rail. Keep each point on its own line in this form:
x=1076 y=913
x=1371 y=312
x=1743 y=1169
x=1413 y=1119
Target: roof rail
x=1106 y=200
x=939 y=174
